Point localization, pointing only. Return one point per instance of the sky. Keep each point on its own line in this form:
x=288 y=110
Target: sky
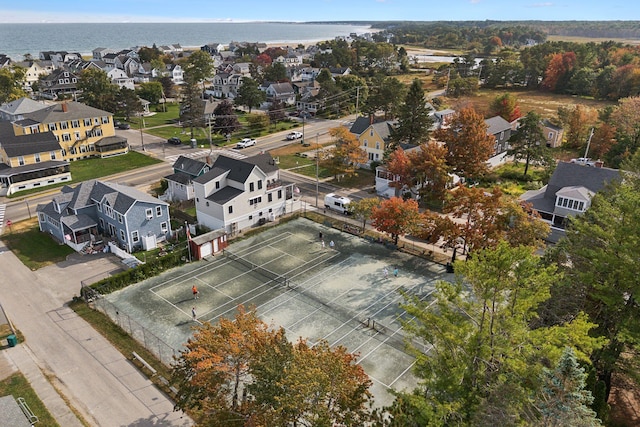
x=37 y=11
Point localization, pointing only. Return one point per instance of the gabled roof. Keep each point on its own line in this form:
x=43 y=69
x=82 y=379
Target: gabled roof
x=120 y=197
x=23 y=145
x=497 y=124
x=224 y=195
x=75 y=111
x=572 y=175
x=236 y=169
x=22 y=106
x=548 y=124
x=361 y=124
x=281 y=88
x=189 y=166
x=576 y=192
x=179 y=177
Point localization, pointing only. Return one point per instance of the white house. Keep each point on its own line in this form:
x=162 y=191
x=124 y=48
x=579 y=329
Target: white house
x=120 y=78
x=238 y=194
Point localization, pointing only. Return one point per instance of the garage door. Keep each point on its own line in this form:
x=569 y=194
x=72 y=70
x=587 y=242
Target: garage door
x=205 y=250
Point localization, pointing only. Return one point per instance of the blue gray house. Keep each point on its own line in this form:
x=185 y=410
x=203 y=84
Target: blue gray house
x=96 y=210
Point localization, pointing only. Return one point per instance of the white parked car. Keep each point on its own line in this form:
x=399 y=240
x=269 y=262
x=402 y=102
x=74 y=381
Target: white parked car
x=583 y=161
x=246 y=142
x=294 y=135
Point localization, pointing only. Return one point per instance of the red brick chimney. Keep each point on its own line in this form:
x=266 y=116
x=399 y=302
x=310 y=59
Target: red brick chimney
x=65 y=108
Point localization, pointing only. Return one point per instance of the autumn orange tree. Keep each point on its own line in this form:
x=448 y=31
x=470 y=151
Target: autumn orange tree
x=505 y=106
x=243 y=373
x=395 y=216
x=469 y=147
x=347 y=155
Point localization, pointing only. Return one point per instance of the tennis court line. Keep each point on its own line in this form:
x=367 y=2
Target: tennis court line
x=215 y=288
x=211 y=265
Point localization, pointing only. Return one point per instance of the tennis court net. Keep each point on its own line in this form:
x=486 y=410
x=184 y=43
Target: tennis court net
x=274 y=277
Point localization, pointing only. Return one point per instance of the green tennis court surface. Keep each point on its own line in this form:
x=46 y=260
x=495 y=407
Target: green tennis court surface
x=347 y=295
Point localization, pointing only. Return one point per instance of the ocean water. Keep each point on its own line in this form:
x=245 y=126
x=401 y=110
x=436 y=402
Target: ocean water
x=16 y=40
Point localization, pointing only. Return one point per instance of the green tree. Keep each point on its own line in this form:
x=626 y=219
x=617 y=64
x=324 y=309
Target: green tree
x=528 y=143
x=192 y=106
x=363 y=208
x=249 y=94
x=483 y=360
x=257 y=122
x=347 y=155
x=226 y=121
x=199 y=66
x=97 y=89
x=385 y=94
x=128 y=103
x=276 y=111
x=563 y=400
x=276 y=72
x=602 y=275
x=414 y=121
x=11 y=80
x=150 y=91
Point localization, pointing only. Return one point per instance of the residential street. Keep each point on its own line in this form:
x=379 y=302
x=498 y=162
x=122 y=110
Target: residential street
x=63 y=350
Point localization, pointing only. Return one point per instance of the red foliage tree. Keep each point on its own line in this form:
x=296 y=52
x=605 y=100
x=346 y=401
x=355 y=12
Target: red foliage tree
x=395 y=216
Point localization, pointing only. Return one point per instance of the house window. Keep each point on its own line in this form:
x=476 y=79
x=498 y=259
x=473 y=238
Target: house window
x=565 y=202
x=101 y=223
x=21 y=160
x=270 y=197
x=87 y=122
x=105 y=119
x=122 y=236
x=255 y=200
x=260 y=185
x=251 y=186
x=64 y=125
x=217 y=185
x=66 y=137
x=371 y=132
x=365 y=143
x=52 y=127
x=75 y=123
x=502 y=135
x=37 y=157
x=377 y=145
x=99 y=207
x=158 y=210
x=77 y=135
x=135 y=238
x=120 y=219
x=230 y=209
x=149 y=213
x=164 y=228
x=52 y=155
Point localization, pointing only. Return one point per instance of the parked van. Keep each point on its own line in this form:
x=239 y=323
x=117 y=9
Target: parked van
x=337 y=203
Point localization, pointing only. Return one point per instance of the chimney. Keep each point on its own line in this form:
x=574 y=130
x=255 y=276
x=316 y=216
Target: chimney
x=65 y=108
x=598 y=163
x=370 y=119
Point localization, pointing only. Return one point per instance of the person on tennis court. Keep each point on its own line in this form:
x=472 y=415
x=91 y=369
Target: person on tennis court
x=385 y=272
x=322 y=242
x=194 y=290
x=320 y=235
x=193 y=314
x=395 y=272
x=331 y=244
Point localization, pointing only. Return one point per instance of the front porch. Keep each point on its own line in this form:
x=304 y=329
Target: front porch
x=112 y=146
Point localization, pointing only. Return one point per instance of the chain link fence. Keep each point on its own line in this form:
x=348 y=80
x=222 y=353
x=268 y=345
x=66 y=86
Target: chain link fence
x=163 y=351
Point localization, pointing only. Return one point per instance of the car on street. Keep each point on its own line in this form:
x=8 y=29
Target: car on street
x=246 y=142
x=294 y=135
x=174 y=140
x=123 y=125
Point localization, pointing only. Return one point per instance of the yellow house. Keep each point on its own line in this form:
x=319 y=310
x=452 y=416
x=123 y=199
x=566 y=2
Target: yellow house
x=82 y=131
x=29 y=161
x=373 y=137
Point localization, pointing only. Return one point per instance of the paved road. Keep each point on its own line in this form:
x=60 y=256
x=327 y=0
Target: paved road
x=61 y=348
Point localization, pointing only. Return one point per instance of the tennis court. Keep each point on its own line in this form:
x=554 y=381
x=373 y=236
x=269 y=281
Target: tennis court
x=346 y=293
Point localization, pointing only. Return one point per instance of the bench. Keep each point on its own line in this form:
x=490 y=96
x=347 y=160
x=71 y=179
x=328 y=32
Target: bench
x=144 y=363
x=27 y=411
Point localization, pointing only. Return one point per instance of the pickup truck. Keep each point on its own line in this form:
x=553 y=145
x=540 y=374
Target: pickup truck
x=583 y=161
x=294 y=135
x=246 y=142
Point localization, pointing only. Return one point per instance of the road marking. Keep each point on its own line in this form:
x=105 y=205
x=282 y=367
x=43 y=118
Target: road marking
x=204 y=153
x=3 y=209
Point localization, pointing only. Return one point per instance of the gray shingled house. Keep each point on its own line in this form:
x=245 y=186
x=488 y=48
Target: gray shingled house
x=83 y=214
x=180 y=182
x=568 y=193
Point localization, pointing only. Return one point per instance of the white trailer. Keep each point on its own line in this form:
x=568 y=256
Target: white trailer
x=337 y=203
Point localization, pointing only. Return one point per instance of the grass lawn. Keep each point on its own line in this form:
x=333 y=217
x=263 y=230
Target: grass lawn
x=82 y=170
x=511 y=181
x=34 y=248
x=18 y=386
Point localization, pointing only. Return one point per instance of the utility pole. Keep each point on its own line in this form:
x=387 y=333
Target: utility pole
x=317 y=167
x=586 y=151
x=141 y=133
x=357 y=100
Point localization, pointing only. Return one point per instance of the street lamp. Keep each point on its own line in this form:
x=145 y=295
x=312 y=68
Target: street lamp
x=317 y=166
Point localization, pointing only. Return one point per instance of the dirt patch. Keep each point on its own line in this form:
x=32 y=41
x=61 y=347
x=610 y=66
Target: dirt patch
x=625 y=402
